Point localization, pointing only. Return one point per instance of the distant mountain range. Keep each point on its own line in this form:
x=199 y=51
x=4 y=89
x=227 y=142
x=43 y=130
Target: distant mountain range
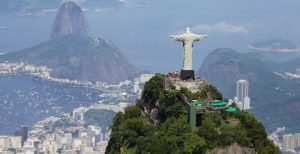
x=73 y=54
x=274 y=45
x=33 y=6
x=274 y=92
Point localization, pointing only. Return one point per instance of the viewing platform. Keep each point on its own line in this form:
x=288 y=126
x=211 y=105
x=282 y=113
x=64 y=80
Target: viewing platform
x=193 y=85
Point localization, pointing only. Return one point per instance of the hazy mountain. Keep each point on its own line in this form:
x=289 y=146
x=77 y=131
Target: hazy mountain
x=271 y=90
x=292 y=65
x=70 y=20
x=73 y=55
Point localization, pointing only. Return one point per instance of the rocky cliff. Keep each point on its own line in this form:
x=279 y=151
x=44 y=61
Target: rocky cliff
x=234 y=149
x=70 y=20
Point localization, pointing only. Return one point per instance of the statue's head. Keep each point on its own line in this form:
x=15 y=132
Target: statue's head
x=188 y=30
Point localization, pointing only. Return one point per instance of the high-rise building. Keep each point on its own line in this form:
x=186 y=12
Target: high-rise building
x=246 y=103
x=297 y=140
x=24 y=134
x=289 y=142
x=242 y=92
x=16 y=142
x=90 y=130
x=4 y=143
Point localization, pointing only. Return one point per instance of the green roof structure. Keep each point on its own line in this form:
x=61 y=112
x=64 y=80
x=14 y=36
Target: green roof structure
x=199 y=103
x=232 y=109
x=218 y=103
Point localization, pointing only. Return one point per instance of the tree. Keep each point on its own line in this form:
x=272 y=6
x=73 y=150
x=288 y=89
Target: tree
x=153 y=87
x=132 y=112
x=193 y=143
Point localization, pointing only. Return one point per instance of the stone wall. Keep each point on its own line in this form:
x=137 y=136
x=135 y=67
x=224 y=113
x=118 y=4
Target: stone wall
x=193 y=85
x=234 y=149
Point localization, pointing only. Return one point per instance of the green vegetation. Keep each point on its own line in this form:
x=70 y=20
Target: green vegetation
x=232 y=109
x=208 y=90
x=17 y=133
x=12 y=150
x=133 y=132
x=61 y=123
x=218 y=103
x=199 y=103
x=99 y=117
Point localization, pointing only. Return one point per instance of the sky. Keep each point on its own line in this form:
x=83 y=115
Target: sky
x=141 y=28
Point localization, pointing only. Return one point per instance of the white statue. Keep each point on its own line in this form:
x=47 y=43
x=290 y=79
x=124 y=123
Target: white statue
x=188 y=39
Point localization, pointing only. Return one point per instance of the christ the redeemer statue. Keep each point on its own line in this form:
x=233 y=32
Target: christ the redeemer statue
x=188 y=39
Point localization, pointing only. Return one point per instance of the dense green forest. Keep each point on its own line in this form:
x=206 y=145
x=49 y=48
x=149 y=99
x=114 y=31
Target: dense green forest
x=132 y=132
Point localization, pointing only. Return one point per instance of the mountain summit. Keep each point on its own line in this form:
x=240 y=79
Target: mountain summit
x=164 y=119
x=72 y=54
x=70 y=19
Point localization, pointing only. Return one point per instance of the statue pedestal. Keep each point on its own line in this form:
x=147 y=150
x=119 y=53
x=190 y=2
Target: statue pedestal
x=187 y=74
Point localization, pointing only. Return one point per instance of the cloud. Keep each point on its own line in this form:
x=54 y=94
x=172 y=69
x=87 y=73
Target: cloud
x=136 y=3
x=220 y=27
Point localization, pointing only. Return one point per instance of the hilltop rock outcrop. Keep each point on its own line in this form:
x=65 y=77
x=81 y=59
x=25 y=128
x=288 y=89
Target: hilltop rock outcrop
x=70 y=19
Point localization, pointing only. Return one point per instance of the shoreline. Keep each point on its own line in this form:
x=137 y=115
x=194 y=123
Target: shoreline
x=44 y=74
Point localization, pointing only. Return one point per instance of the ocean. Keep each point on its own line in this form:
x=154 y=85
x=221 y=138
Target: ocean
x=25 y=100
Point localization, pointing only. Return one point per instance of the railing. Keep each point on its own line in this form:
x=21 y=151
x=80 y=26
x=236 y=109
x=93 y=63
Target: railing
x=183 y=98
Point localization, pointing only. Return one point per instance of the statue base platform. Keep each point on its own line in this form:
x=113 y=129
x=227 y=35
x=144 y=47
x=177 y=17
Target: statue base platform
x=187 y=74
x=194 y=85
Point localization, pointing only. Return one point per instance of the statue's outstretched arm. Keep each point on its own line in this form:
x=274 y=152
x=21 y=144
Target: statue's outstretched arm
x=177 y=37
x=199 y=37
